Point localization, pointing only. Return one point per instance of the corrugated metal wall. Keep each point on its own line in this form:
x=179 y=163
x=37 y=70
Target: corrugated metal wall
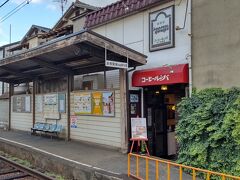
x=101 y=130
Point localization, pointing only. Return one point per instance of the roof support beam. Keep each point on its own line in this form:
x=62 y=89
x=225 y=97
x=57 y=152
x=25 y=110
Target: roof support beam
x=17 y=73
x=59 y=68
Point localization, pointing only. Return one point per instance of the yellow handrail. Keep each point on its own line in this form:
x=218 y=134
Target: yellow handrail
x=169 y=165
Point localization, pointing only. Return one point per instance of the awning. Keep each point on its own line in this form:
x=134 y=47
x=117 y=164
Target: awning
x=75 y=54
x=174 y=74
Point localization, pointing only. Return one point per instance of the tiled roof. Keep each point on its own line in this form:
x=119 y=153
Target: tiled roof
x=116 y=10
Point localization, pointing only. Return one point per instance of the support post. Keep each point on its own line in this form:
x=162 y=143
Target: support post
x=34 y=101
x=123 y=97
x=105 y=79
x=2 y=87
x=11 y=91
x=69 y=88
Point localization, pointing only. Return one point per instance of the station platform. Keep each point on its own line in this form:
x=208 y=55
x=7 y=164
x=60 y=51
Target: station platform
x=77 y=155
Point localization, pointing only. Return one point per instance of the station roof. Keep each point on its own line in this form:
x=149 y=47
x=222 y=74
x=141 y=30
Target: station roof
x=78 y=53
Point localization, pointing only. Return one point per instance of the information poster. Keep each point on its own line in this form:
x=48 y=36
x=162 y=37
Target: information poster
x=73 y=122
x=61 y=103
x=83 y=103
x=22 y=104
x=27 y=104
x=97 y=103
x=50 y=99
x=39 y=103
x=108 y=103
x=139 y=128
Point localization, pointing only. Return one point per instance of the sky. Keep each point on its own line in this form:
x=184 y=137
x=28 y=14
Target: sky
x=38 y=12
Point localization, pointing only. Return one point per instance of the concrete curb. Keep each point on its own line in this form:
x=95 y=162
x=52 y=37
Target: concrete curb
x=68 y=168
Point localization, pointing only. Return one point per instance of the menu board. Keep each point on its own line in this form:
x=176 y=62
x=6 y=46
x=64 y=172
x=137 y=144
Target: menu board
x=99 y=103
x=139 y=128
x=22 y=104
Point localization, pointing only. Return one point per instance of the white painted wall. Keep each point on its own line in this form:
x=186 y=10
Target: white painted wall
x=96 y=129
x=133 y=31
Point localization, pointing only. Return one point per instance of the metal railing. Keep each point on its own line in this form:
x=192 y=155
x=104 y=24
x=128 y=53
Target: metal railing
x=193 y=171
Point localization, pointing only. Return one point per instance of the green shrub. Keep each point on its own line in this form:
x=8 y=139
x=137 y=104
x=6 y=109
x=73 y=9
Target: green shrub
x=208 y=131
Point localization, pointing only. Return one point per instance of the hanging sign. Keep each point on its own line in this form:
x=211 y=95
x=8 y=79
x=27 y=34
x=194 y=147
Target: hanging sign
x=116 y=64
x=161 y=29
x=139 y=128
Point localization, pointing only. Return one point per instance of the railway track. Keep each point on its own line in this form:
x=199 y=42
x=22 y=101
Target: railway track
x=9 y=170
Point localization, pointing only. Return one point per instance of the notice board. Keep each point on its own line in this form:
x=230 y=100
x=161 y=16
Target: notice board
x=22 y=104
x=96 y=103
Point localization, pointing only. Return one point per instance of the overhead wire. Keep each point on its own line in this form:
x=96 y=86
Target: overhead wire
x=4 y=3
x=15 y=10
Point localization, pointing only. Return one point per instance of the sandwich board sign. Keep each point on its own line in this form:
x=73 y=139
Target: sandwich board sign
x=139 y=128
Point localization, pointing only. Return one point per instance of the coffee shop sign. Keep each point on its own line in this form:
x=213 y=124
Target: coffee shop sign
x=155 y=78
x=161 y=29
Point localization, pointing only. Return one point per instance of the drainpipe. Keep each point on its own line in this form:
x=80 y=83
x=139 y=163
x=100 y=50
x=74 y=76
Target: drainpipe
x=190 y=49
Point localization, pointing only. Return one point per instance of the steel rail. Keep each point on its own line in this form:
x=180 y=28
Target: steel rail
x=25 y=170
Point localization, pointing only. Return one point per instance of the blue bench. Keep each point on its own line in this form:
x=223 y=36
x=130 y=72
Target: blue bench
x=47 y=128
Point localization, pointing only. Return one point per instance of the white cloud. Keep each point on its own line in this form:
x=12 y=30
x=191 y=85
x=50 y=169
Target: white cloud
x=52 y=7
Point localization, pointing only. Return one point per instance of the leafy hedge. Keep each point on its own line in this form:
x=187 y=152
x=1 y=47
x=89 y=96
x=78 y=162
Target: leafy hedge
x=208 y=132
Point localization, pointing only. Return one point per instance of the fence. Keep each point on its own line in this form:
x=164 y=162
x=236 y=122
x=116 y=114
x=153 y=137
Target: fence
x=178 y=170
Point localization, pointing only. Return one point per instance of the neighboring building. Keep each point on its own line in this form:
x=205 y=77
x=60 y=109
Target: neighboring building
x=215 y=43
x=161 y=30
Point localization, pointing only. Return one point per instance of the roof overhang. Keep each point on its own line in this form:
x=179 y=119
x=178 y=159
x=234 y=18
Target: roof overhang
x=175 y=74
x=78 y=53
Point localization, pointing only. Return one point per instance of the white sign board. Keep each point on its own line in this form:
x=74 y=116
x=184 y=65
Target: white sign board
x=50 y=99
x=162 y=29
x=116 y=64
x=139 y=128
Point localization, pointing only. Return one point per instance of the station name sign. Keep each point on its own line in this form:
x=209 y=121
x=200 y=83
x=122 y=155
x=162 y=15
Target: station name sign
x=116 y=64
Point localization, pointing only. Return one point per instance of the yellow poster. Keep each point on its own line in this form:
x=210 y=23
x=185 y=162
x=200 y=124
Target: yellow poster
x=97 y=103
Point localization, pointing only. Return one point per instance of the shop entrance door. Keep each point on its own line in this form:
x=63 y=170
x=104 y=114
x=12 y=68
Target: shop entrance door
x=160 y=131
x=156 y=123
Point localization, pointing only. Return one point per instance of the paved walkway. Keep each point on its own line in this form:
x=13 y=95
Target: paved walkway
x=97 y=156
